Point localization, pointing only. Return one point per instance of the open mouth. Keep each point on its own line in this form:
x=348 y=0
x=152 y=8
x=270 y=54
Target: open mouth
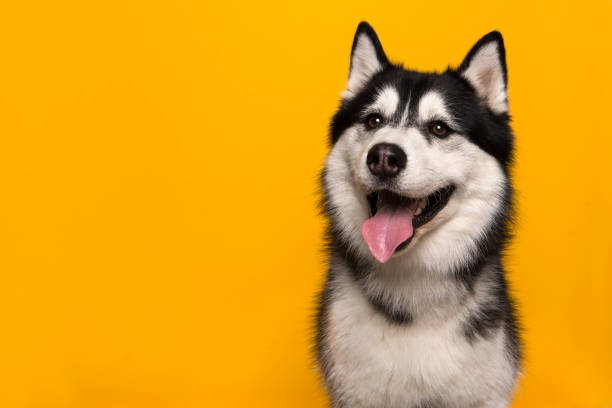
x=394 y=218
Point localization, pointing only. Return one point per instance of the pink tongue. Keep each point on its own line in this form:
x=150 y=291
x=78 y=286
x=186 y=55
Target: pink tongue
x=387 y=229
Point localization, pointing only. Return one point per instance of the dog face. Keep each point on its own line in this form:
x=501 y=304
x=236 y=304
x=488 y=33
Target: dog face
x=418 y=168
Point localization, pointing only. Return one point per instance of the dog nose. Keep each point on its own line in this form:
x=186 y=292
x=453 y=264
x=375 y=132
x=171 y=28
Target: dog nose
x=386 y=160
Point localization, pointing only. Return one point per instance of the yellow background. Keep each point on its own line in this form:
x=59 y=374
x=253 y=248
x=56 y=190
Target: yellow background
x=160 y=244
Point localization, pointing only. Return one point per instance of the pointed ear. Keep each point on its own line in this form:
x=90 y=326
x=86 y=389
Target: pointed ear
x=485 y=69
x=367 y=58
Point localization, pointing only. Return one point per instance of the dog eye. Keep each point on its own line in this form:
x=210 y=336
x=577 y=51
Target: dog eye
x=439 y=128
x=374 y=120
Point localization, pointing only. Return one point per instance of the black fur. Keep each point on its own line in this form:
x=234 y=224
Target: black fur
x=488 y=130
x=493 y=314
x=493 y=36
x=365 y=28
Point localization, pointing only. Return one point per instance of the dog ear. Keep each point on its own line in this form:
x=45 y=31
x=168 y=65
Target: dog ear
x=485 y=69
x=367 y=58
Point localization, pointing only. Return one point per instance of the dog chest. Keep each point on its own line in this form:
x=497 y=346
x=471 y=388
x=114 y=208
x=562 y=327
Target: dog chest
x=374 y=360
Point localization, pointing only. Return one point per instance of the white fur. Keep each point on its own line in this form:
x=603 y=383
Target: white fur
x=364 y=64
x=349 y=204
x=404 y=365
x=373 y=360
x=485 y=73
x=404 y=119
x=450 y=238
x=386 y=102
x=370 y=360
x=431 y=107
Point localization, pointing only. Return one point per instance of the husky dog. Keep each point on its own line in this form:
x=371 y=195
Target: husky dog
x=415 y=311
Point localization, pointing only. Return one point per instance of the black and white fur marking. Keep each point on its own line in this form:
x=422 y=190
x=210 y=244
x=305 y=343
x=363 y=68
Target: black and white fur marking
x=433 y=326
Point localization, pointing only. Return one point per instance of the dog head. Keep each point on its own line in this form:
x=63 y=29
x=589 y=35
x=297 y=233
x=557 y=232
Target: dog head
x=418 y=169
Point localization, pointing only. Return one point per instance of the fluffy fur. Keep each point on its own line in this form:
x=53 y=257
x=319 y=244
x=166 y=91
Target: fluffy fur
x=434 y=326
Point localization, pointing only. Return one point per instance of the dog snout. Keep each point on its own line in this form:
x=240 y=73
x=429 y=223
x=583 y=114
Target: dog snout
x=386 y=160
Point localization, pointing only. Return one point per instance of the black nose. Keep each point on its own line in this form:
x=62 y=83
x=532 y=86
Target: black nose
x=386 y=160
